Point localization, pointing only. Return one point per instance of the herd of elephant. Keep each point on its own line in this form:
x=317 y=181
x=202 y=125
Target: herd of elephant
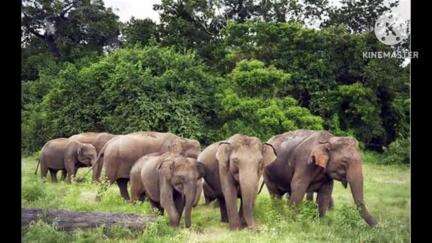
x=171 y=172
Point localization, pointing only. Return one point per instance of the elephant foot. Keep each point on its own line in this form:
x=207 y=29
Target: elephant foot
x=235 y=227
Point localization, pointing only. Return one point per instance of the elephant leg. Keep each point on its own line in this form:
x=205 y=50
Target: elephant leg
x=230 y=195
x=53 y=174
x=223 y=210
x=63 y=175
x=142 y=197
x=298 y=190
x=324 y=198
x=122 y=184
x=44 y=170
x=309 y=196
x=207 y=199
x=331 y=206
x=156 y=205
x=242 y=218
x=208 y=194
x=274 y=192
x=179 y=202
x=75 y=171
x=70 y=169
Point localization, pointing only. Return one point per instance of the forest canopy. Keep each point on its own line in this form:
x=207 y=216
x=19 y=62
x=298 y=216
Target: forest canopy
x=258 y=69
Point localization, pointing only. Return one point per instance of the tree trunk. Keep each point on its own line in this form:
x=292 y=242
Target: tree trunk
x=52 y=46
x=68 y=220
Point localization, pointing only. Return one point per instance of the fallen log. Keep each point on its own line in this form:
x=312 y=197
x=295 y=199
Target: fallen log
x=69 y=220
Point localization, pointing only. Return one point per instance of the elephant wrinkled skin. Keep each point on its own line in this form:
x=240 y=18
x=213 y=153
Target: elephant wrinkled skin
x=169 y=181
x=120 y=153
x=98 y=140
x=232 y=170
x=308 y=161
x=67 y=156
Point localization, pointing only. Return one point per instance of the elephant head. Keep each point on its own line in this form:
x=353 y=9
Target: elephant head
x=241 y=161
x=341 y=159
x=178 y=177
x=86 y=154
x=187 y=147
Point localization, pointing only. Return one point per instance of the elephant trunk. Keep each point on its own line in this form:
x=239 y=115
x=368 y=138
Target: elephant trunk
x=355 y=180
x=248 y=188
x=190 y=191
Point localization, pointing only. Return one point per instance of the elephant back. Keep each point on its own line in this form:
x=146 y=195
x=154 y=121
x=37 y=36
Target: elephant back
x=122 y=153
x=52 y=153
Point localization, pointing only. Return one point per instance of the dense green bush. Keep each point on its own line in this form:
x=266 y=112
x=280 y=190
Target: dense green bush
x=268 y=78
x=398 y=151
x=128 y=90
x=326 y=67
x=264 y=111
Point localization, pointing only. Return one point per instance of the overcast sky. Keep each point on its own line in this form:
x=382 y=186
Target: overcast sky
x=144 y=8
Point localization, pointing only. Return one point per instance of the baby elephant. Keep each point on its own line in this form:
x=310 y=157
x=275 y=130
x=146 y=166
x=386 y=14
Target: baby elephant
x=169 y=181
x=67 y=156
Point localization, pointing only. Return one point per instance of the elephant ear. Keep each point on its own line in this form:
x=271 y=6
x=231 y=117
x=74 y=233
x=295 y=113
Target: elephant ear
x=79 y=150
x=166 y=168
x=269 y=154
x=222 y=155
x=319 y=155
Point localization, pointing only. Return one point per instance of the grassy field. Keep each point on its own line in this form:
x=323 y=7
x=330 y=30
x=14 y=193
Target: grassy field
x=387 y=194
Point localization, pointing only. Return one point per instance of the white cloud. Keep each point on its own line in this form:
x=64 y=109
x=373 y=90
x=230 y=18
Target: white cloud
x=144 y=8
x=140 y=9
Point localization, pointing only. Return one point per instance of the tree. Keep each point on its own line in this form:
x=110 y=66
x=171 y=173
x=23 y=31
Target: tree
x=139 y=31
x=263 y=111
x=69 y=27
x=360 y=15
x=190 y=24
x=320 y=63
x=128 y=90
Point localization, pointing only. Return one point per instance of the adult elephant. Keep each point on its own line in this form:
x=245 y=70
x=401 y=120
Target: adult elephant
x=308 y=161
x=120 y=153
x=64 y=155
x=169 y=181
x=98 y=140
x=232 y=170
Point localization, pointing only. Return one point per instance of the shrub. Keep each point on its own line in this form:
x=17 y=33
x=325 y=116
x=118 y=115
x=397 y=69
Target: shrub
x=261 y=112
x=398 y=151
x=33 y=191
x=125 y=91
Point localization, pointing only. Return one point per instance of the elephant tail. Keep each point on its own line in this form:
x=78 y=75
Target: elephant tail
x=37 y=166
x=261 y=187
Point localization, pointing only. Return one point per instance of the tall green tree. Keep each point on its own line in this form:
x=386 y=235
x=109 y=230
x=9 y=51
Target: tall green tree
x=359 y=15
x=69 y=28
x=263 y=111
x=139 y=31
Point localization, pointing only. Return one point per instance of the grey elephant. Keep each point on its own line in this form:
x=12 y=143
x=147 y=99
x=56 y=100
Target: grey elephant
x=64 y=155
x=169 y=181
x=309 y=161
x=200 y=184
x=232 y=170
x=98 y=140
x=121 y=152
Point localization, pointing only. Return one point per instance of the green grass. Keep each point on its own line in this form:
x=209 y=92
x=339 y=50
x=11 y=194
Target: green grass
x=387 y=194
